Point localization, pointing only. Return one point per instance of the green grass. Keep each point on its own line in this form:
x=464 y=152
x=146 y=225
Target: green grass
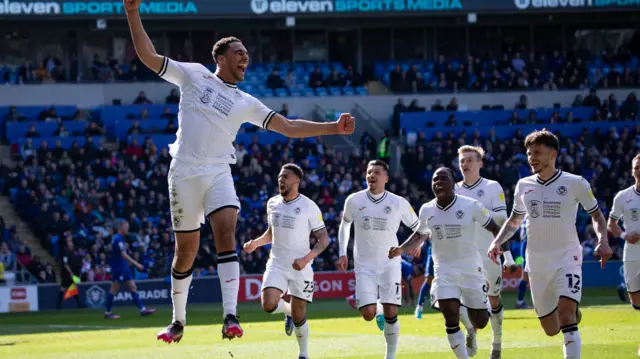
x=609 y=330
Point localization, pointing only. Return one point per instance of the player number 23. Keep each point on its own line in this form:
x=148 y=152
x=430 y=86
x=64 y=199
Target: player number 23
x=308 y=287
x=573 y=282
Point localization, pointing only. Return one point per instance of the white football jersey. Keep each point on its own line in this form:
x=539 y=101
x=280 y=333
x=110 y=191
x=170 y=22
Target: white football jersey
x=551 y=207
x=376 y=225
x=453 y=233
x=211 y=113
x=491 y=195
x=291 y=224
x=626 y=206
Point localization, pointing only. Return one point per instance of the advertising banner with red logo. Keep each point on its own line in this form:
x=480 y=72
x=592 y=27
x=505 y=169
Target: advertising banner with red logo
x=326 y=285
x=19 y=299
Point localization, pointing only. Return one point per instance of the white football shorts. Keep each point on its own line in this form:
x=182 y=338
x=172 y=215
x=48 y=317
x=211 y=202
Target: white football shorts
x=196 y=190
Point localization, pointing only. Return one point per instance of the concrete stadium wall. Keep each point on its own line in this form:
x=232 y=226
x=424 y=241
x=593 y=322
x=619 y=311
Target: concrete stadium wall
x=379 y=107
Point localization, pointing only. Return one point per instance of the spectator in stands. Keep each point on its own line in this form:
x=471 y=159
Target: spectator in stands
x=173 y=98
x=32 y=132
x=394 y=78
x=7 y=258
x=168 y=115
x=592 y=100
x=142 y=99
x=94 y=130
x=291 y=80
x=453 y=104
x=316 y=80
x=135 y=128
x=419 y=85
x=523 y=102
x=13 y=115
x=144 y=114
x=414 y=107
x=335 y=79
x=170 y=129
x=48 y=115
x=274 y=82
x=97 y=68
x=352 y=78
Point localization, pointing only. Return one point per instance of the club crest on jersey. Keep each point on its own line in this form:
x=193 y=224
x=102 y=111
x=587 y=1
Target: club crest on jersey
x=387 y=209
x=297 y=210
x=206 y=96
x=562 y=190
x=366 y=223
x=459 y=215
x=635 y=214
x=534 y=209
x=439 y=232
x=238 y=95
x=177 y=222
x=480 y=193
x=276 y=219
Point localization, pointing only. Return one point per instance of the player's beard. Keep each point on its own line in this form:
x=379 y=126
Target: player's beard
x=284 y=192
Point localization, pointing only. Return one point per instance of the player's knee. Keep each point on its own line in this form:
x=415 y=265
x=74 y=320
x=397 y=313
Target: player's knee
x=298 y=317
x=368 y=313
x=269 y=305
x=551 y=330
x=566 y=317
x=479 y=319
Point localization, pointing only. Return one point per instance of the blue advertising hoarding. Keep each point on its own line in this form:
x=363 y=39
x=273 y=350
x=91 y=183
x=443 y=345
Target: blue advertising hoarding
x=279 y=8
x=152 y=292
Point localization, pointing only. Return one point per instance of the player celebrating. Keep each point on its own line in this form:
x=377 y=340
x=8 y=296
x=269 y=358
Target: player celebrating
x=376 y=214
x=626 y=204
x=451 y=221
x=549 y=199
x=212 y=109
x=292 y=217
x=491 y=195
x=121 y=273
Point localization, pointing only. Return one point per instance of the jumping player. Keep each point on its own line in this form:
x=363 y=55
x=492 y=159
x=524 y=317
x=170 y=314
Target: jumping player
x=121 y=272
x=491 y=195
x=376 y=214
x=626 y=205
x=212 y=109
x=459 y=281
x=292 y=218
x=549 y=199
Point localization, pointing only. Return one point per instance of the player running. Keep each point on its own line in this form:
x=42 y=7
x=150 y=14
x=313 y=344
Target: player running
x=292 y=218
x=428 y=279
x=212 y=109
x=491 y=195
x=376 y=214
x=121 y=272
x=450 y=222
x=549 y=199
x=626 y=205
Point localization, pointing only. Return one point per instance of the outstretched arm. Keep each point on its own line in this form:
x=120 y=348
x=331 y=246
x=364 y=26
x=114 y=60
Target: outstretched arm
x=141 y=41
x=303 y=128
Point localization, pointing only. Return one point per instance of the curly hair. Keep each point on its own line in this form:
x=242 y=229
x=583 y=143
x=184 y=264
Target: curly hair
x=221 y=47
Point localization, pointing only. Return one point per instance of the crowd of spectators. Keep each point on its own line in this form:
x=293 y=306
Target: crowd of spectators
x=16 y=257
x=516 y=71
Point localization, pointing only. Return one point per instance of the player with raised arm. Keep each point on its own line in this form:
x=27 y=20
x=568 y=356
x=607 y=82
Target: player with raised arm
x=491 y=195
x=376 y=214
x=549 y=199
x=292 y=218
x=121 y=273
x=449 y=221
x=626 y=206
x=212 y=109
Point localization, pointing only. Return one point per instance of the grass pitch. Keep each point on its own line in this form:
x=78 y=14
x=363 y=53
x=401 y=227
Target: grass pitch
x=609 y=330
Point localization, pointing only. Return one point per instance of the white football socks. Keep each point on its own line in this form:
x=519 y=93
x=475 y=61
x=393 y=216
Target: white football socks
x=572 y=342
x=391 y=334
x=302 y=335
x=229 y=273
x=456 y=340
x=180 y=284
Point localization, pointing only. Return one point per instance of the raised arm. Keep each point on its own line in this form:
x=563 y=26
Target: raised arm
x=141 y=41
x=345 y=125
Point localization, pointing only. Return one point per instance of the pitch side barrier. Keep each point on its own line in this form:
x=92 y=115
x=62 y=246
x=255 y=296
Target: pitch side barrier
x=327 y=285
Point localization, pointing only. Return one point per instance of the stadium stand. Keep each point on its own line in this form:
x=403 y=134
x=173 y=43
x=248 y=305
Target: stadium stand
x=79 y=187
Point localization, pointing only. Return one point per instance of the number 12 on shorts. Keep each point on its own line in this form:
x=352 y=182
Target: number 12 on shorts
x=573 y=282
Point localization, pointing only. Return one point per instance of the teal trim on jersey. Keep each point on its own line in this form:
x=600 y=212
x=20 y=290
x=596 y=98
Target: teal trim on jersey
x=376 y=201
x=550 y=180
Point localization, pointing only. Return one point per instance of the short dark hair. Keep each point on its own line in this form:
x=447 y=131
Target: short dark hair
x=636 y=158
x=294 y=168
x=451 y=172
x=221 y=47
x=380 y=163
x=543 y=137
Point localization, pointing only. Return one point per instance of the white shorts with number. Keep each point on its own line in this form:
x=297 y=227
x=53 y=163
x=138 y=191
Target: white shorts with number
x=387 y=286
x=196 y=190
x=493 y=275
x=469 y=288
x=632 y=275
x=298 y=284
x=548 y=287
